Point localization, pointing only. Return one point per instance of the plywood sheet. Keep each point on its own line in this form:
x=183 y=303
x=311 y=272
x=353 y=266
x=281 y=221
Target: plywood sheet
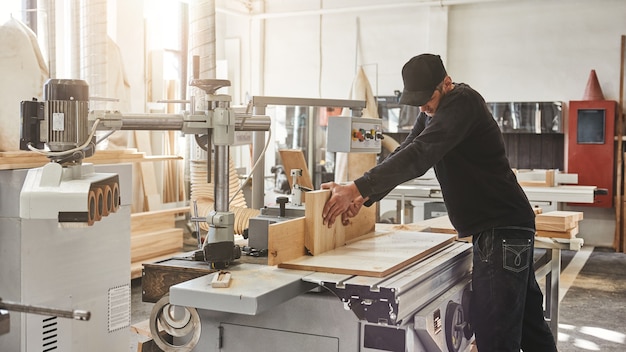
x=376 y=256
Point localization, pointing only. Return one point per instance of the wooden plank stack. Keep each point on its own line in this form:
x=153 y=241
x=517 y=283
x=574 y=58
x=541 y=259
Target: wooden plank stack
x=154 y=236
x=558 y=224
x=26 y=159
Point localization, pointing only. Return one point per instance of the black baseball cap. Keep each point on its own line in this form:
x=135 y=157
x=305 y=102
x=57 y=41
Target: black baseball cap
x=421 y=75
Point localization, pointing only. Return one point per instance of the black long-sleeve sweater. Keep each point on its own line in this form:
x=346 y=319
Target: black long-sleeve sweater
x=464 y=145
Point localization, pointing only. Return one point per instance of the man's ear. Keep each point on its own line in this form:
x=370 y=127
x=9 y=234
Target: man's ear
x=447 y=83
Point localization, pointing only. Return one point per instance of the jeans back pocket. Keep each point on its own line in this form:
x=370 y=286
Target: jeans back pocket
x=516 y=254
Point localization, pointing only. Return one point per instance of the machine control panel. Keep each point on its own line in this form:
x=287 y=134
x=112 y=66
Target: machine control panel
x=354 y=134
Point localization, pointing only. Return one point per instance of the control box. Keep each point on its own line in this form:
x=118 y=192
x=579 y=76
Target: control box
x=350 y=134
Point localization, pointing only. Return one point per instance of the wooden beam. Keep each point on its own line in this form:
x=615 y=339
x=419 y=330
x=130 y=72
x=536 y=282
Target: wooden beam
x=285 y=241
x=618 y=241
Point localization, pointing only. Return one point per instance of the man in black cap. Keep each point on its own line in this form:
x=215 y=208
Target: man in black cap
x=456 y=134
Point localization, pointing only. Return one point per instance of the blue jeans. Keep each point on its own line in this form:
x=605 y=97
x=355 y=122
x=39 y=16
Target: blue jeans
x=506 y=308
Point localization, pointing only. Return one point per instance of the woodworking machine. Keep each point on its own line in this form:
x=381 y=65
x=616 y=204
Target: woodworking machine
x=422 y=305
x=65 y=227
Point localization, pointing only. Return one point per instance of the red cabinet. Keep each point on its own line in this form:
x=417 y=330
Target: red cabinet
x=591 y=145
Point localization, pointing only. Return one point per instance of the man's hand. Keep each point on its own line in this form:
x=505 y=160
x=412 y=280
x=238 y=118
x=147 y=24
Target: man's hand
x=352 y=211
x=342 y=196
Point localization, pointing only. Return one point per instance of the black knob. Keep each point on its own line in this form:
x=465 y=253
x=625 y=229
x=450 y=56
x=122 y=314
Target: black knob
x=281 y=202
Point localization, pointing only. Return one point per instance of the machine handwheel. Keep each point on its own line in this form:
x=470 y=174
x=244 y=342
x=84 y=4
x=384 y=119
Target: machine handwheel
x=184 y=325
x=465 y=304
x=203 y=141
x=455 y=324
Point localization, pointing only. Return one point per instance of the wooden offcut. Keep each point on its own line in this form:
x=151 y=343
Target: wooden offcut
x=221 y=279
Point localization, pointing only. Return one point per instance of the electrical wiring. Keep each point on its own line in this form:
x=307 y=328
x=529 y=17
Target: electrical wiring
x=67 y=152
x=269 y=139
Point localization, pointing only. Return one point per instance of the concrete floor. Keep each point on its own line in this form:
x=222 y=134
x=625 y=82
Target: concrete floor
x=592 y=311
x=593 y=291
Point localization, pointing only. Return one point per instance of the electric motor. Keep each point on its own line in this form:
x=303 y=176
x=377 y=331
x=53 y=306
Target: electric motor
x=61 y=120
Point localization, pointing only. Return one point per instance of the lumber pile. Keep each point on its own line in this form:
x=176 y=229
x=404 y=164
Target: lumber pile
x=558 y=224
x=27 y=159
x=154 y=236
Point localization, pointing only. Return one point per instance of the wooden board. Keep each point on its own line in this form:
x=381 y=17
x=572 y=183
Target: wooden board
x=26 y=159
x=558 y=220
x=294 y=159
x=149 y=221
x=285 y=241
x=564 y=226
x=377 y=256
x=152 y=197
x=155 y=244
x=319 y=238
x=558 y=234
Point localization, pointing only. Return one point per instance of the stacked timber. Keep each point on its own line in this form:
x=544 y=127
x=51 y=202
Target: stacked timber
x=558 y=224
x=154 y=236
x=27 y=159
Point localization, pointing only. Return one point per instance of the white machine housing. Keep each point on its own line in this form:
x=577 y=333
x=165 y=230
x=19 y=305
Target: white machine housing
x=45 y=186
x=65 y=266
